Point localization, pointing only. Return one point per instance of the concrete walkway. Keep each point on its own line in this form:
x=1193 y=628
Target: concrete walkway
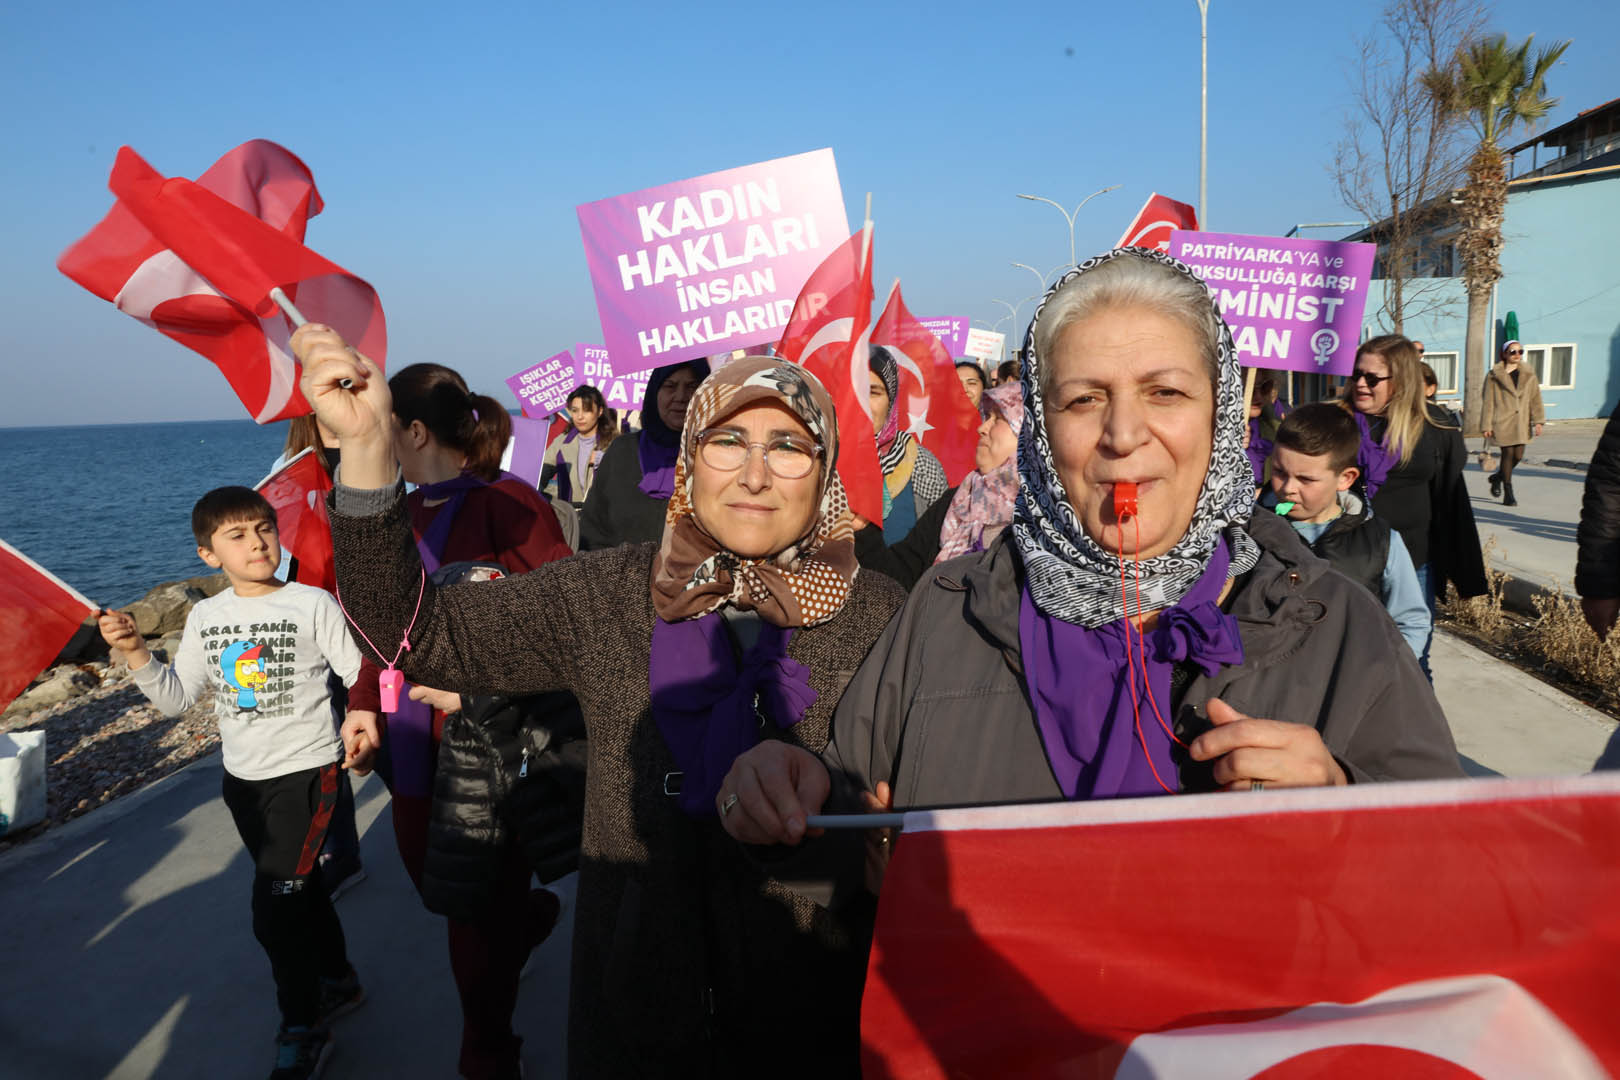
x=128 y=953
x=1536 y=539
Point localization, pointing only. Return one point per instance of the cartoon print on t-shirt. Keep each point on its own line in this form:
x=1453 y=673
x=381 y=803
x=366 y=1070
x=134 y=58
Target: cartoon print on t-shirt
x=240 y=665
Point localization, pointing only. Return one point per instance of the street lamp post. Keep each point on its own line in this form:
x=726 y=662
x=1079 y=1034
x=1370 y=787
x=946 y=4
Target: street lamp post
x=1203 y=117
x=1042 y=277
x=1068 y=216
x=1012 y=309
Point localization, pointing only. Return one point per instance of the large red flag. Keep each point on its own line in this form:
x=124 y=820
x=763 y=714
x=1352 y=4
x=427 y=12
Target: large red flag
x=39 y=613
x=828 y=333
x=297 y=493
x=1158 y=218
x=197 y=261
x=935 y=408
x=1420 y=929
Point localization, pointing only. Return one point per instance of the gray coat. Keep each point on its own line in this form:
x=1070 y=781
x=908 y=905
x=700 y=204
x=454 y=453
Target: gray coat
x=939 y=708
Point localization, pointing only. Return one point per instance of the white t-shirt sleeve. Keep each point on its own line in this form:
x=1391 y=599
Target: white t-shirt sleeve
x=336 y=642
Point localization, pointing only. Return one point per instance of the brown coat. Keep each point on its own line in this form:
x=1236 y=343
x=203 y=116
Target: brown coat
x=688 y=961
x=1510 y=411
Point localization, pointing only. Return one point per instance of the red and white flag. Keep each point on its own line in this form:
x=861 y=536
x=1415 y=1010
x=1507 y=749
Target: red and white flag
x=1464 y=928
x=935 y=408
x=297 y=493
x=39 y=613
x=1158 y=218
x=828 y=333
x=197 y=261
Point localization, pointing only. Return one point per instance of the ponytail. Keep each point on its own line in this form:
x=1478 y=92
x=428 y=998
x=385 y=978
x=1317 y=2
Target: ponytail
x=473 y=424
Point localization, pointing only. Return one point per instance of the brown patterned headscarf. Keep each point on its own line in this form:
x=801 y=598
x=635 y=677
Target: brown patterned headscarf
x=805 y=583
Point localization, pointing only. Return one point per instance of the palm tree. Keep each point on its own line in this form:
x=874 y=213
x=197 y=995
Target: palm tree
x=1498 y=87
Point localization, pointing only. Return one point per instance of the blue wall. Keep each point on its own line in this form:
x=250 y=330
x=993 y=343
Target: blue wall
x=1561 y=274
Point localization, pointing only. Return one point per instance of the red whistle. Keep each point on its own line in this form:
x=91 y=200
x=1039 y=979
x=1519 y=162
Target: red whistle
x=1125 y=499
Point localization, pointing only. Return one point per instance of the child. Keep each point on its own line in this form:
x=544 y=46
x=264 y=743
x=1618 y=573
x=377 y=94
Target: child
x=1313 y=466
x=267 y=648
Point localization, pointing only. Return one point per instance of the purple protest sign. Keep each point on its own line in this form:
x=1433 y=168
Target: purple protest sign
x=526 y=451
x=951 y=331
x=1294 y=305
x=543 y=389
x=596 y=369
x=704 y=265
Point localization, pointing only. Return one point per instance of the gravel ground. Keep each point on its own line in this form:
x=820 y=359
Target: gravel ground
x=109 y=742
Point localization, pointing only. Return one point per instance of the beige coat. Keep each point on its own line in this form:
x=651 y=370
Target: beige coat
x=1510 y=411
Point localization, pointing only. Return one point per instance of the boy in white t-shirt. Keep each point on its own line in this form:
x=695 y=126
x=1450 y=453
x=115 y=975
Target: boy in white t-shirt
x=268 y=649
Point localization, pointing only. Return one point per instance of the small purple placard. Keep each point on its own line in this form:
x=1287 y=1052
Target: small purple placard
x=596 y=369
x=544 y=388
x=697 y=267
x=1293 y=305
x=951 y=331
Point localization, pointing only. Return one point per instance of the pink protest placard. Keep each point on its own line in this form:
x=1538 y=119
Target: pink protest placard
x=596 y=369
x=1294 y=305
x=543 y=389
x=951 y=331
x=697 y=267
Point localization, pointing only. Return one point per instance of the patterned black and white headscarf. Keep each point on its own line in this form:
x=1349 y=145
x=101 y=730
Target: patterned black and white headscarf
x=1070 y=577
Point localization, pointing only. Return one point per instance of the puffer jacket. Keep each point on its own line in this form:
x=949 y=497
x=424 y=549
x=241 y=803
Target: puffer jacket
x=508 y=767
x=940 y=711
x=1597 y=559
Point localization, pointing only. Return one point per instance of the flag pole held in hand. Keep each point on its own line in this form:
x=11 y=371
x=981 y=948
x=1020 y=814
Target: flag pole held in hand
x=296 y=317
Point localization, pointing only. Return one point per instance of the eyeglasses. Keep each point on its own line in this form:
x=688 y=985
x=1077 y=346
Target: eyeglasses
x=786 y=456
x=1369 y=378
x=1515 y=352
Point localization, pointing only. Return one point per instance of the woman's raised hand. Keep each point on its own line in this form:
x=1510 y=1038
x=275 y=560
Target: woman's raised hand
x=1272 y=753
x=769 y=792
x=361 y=411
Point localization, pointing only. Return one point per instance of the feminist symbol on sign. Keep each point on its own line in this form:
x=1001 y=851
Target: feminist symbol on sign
x=1323 y=342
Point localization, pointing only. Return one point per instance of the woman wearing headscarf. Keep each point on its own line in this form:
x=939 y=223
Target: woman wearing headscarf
x=913 y=478
x=740 y=625
x=637 y=476
x=1513 y=415
x=1136 y=632
x=1411 y=465
x=971 y=516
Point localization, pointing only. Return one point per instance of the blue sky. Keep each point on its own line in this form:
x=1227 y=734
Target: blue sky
x=452 y=142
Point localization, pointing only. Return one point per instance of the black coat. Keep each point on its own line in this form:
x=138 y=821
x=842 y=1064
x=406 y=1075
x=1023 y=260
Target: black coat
x=908 y=560
x=1426 y=501
x=1597 y=558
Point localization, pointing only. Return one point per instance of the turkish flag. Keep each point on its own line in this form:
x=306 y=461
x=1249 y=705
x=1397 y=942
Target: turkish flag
x=297 y=493
x=1157 y=219
x=829 y=333
x=197 y=261
x=935 y=408
x=39 y=613
x=1435 y=929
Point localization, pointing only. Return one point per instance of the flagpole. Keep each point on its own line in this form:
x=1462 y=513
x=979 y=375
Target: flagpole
x=296 y=317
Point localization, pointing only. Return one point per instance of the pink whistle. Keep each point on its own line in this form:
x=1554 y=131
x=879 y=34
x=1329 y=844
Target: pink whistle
x=389 y=684
x=1125 y=499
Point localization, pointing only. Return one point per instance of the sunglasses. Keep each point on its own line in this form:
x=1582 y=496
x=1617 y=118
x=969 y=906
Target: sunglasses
x=1515 y=352
x=1369 y=378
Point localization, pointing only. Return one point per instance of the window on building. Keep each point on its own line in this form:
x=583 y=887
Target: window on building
x=1554 y=365
x=1445 y=370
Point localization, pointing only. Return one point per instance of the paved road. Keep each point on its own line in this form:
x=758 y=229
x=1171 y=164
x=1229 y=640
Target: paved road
x=127 y=952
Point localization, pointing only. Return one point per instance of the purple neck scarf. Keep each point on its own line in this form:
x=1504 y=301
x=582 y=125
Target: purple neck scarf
x=657 y=466
x=1376 y=459
x=710 y=708
x=1079 y=682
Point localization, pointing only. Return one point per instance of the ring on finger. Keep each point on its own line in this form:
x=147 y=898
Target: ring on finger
x=725 y=807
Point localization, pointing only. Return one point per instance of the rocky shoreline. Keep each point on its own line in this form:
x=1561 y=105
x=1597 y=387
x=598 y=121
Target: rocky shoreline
x=102 y=738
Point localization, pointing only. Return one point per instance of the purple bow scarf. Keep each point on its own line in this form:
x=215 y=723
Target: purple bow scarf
x=1376 y=459
x=657 y=466
x=1258 y=450
x=710 y=708
x=1080 y=683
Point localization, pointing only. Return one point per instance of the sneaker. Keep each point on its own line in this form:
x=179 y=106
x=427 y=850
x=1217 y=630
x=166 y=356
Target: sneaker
x=339 y=997
x=341 y=875
x=301 y=1053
